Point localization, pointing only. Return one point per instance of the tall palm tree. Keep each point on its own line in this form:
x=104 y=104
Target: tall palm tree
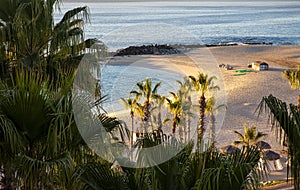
x=146 y=93
x=131 y=104
x=210 y=109
x=174 y=104
x=158 y=104
x=185 y=89
x=250 y=137
x=202 y=84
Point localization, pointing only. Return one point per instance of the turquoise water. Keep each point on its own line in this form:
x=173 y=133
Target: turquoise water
x=118 y=81
x=137 y=23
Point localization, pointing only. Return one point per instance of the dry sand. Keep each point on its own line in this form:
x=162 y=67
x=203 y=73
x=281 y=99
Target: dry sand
x=243 y=93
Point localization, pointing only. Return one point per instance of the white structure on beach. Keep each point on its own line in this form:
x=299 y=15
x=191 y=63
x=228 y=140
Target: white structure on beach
x=260 y=66
x=270 y=161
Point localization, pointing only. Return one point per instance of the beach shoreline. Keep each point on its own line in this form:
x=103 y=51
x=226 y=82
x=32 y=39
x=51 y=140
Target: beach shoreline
x=287 y=56
x=243 y=93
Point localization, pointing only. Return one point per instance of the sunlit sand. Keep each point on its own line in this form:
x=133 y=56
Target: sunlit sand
x=243 y=93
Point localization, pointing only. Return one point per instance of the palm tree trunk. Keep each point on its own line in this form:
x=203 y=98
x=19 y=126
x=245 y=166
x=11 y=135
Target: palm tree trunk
x=212 y=129
x=180 y=134
x=173 y=127
x=159 y=122
x=184 y=129
x=131 y=134
x=201 y=121
x=188 y=128
x=188 y=124
x=146 y=116
x=298 y=106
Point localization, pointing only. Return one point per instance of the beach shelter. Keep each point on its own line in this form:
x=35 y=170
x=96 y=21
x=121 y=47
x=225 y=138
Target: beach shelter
x=271 y=155
x=273 y=161
x=263 y=145
x=229 y=149
x=260 y=66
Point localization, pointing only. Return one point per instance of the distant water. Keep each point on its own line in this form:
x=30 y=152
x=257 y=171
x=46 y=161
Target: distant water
x=137 y=23
x=118 y=81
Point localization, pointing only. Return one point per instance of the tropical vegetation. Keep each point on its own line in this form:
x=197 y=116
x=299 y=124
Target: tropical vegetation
x=285 y=118
x=41 y=146
x=250 y=138
x=202 y=84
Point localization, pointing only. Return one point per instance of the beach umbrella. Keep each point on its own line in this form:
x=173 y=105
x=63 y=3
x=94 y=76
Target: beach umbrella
x=263 y=145
x=230 y=149
x=271 y=155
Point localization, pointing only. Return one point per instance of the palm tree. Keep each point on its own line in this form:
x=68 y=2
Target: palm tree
x=147 y=94
x=131 y=104
x=185 y=89
x=31 y=40
x=39 y=141
x=250 y=137
x=236 y=171
x=42 y=141
x=285 y=119
x=174 y=104
x=208 y=170
x=158 y=103
x=202 y=84
x=209 y=110
x=294 y=78
x=38 y=133
x=99 y=175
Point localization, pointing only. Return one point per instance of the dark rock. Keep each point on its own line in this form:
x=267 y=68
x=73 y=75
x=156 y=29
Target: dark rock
x=148 y=50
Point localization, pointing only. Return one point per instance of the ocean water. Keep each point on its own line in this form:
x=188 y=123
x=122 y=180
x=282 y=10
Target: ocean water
x=118 y=81
x=136 y=23
x=120 y=25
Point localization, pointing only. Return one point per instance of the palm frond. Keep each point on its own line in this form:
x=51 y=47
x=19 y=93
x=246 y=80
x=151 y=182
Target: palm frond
x=73 y=13
x=100 y=176
x=28 y=168
x=157 y=85
x=285 y=118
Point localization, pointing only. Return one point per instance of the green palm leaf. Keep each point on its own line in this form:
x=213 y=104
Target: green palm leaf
x=285 y=118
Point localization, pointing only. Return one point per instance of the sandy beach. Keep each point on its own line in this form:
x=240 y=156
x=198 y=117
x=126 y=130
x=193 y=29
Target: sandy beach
x=243 y=93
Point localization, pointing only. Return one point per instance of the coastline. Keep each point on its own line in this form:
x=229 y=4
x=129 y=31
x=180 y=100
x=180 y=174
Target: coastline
x=243 y=93
x=287 y=56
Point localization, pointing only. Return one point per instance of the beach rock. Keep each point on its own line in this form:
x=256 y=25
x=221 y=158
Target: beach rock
x=148 y=50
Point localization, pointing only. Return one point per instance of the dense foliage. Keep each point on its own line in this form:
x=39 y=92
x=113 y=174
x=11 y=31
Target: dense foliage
x=286 y=120
x=40 y=145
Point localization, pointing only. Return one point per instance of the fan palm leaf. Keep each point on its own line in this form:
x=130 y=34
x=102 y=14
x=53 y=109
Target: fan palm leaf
x=285 y=118
x=100 y=176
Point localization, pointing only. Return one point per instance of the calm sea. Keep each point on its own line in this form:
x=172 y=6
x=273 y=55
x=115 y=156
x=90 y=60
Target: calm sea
x=120 y=25
x=135 y=23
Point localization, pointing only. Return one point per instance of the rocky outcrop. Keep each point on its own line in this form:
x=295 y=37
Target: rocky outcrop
x=148 y=50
